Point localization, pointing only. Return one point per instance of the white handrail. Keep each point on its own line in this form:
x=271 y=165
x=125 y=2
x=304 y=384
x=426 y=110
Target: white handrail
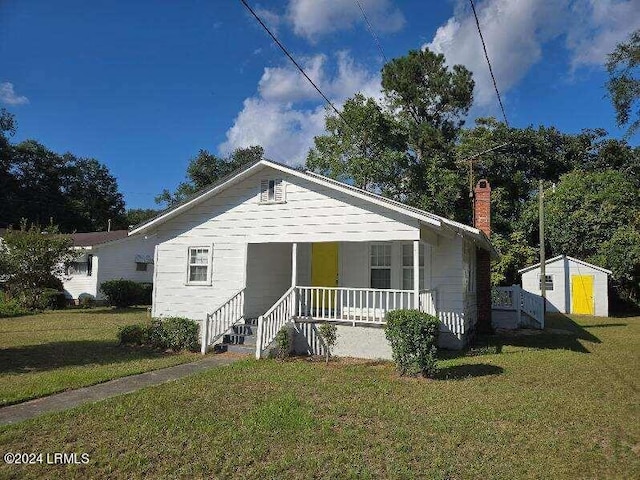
x=228 y=314
x=428 y=302
x=355 y=305
x=276 y=317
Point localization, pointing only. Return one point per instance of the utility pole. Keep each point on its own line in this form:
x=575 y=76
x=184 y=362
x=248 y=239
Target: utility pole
x=543 y=270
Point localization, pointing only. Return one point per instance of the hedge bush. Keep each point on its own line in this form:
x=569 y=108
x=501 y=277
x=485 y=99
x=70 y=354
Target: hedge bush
x=52 y=299
x=169 y=333
x=146 y=292
x=122 y=293
x=414 y=339
x=179 y=333
x=10 y=307
x=133 y=335
x=284 y=343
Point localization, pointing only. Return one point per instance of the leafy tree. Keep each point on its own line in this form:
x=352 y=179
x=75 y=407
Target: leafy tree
x=621 y=254
x=624 y=83
x=32 y=260
x=136 y=216
x=368 y=150
x=205 y=169
x=329 y=334
x=43 y=186
x=91 y=192
x=515 y=253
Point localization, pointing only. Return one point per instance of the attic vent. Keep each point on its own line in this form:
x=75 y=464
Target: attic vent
x=272 y=191
x=483 y=184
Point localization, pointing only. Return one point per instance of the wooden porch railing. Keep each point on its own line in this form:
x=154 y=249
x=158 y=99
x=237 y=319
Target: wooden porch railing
x=228 y=314
x=516 y=299
x=356 y=305
x=276 y=317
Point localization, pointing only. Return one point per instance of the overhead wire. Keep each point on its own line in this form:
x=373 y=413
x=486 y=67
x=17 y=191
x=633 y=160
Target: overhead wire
x=486 y=55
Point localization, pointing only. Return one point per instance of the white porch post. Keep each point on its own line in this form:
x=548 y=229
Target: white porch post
x=416 y=274
x=294 y=264
x=294 y=278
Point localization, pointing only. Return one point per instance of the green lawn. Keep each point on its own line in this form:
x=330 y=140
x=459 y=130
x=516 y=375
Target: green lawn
x=560 y=405
x=54 y=351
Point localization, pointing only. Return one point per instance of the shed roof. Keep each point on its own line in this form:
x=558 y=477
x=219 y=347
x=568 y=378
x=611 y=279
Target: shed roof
x=561 y=257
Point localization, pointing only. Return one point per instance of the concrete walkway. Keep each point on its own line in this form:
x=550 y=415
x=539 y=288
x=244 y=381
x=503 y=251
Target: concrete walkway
x=72 y=398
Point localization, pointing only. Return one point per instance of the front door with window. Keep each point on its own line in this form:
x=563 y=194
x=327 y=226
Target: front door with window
x=324 y=267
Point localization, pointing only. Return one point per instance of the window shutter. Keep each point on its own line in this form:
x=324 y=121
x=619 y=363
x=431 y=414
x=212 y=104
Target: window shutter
x=264 y=191
x=279 y=191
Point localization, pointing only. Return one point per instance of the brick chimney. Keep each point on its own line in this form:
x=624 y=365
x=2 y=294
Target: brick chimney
x=482 y=221
x=482 y=206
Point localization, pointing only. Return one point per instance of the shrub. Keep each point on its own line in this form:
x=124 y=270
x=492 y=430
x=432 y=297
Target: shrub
x=121 y=293
x=180 y=333
x=51 y=299
x=283 y=343
x=86 y=300
x=10 y=307
x=146 y=292
x=133 y=335
x=168 y=333
x=329 y=334
x=414 y=338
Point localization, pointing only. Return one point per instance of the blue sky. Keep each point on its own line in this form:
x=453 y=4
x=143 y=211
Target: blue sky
x=143 y=85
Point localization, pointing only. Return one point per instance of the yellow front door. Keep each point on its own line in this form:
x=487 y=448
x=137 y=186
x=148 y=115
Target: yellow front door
x=582 y=294
x=324 y=268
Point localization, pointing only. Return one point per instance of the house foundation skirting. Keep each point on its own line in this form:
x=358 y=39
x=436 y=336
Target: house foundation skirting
x=360 y=341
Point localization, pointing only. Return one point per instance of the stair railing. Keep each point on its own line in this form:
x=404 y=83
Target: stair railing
x=276 y=317
x=217 y=323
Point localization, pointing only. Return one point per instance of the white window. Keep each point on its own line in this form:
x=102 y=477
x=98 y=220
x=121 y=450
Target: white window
x=380 y=262
x=548 y=282
x=199 y=267
x=407 y=266
x=81 y=268
x=469 y=267
x=272 y=191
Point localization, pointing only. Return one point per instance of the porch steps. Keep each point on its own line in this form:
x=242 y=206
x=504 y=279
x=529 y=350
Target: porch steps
x=240 y=339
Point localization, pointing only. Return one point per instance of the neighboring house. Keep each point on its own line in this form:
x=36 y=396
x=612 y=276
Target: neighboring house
x=571 y=285
x=106 y=256
x=296 y=248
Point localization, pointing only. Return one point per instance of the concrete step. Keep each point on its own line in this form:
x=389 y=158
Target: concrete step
x=234 y=339
x=251 y=321
x=241 y=349
x=243 y=329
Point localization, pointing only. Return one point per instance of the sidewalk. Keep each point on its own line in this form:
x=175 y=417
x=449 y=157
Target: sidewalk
x=72 y=398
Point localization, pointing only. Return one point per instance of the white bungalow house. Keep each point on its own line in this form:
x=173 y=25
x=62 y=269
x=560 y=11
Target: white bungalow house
x=106 y=256
x=270 y=246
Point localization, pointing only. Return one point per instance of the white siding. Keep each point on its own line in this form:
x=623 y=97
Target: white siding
x=559 y=299
x=117 y=260
x=235 y=218
x=80 y=283
x=446 y=279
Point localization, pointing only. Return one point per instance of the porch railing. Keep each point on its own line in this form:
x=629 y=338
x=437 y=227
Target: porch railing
x=269 y=324
x=428 y=302
x=356 y=305
x=228 y=314
x=516 y=299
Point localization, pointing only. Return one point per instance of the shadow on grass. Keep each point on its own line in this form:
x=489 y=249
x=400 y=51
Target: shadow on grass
x=49 y=356
x=606 y=325
x=109 y=310
x=460 y=372
x=560 y=333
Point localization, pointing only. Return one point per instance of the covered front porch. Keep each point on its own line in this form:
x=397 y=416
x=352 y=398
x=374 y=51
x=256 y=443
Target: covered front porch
x=350 y=283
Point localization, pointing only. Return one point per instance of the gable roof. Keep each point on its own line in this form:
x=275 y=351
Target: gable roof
x=434 y=221
x=561 y=257
x=91 y=239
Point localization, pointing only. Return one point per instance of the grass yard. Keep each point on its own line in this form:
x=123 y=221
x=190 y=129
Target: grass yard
x=563 y=404
x=55 y=351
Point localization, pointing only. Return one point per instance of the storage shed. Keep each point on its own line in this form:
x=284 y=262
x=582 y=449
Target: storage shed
x=572 y=286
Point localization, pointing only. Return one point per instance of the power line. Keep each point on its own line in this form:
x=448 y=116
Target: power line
x=372 y=31
x=286 y=52
x=486 y=55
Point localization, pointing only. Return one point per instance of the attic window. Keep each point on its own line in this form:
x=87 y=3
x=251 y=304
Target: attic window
x=272 y=191
x=548 y=282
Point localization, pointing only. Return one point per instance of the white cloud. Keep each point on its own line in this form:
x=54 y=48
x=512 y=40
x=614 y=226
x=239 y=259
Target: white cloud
x=606 y=23
x=516 y=32
x=287 y=112
x=9 y=96
x=271 y=19
x=313 y=18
